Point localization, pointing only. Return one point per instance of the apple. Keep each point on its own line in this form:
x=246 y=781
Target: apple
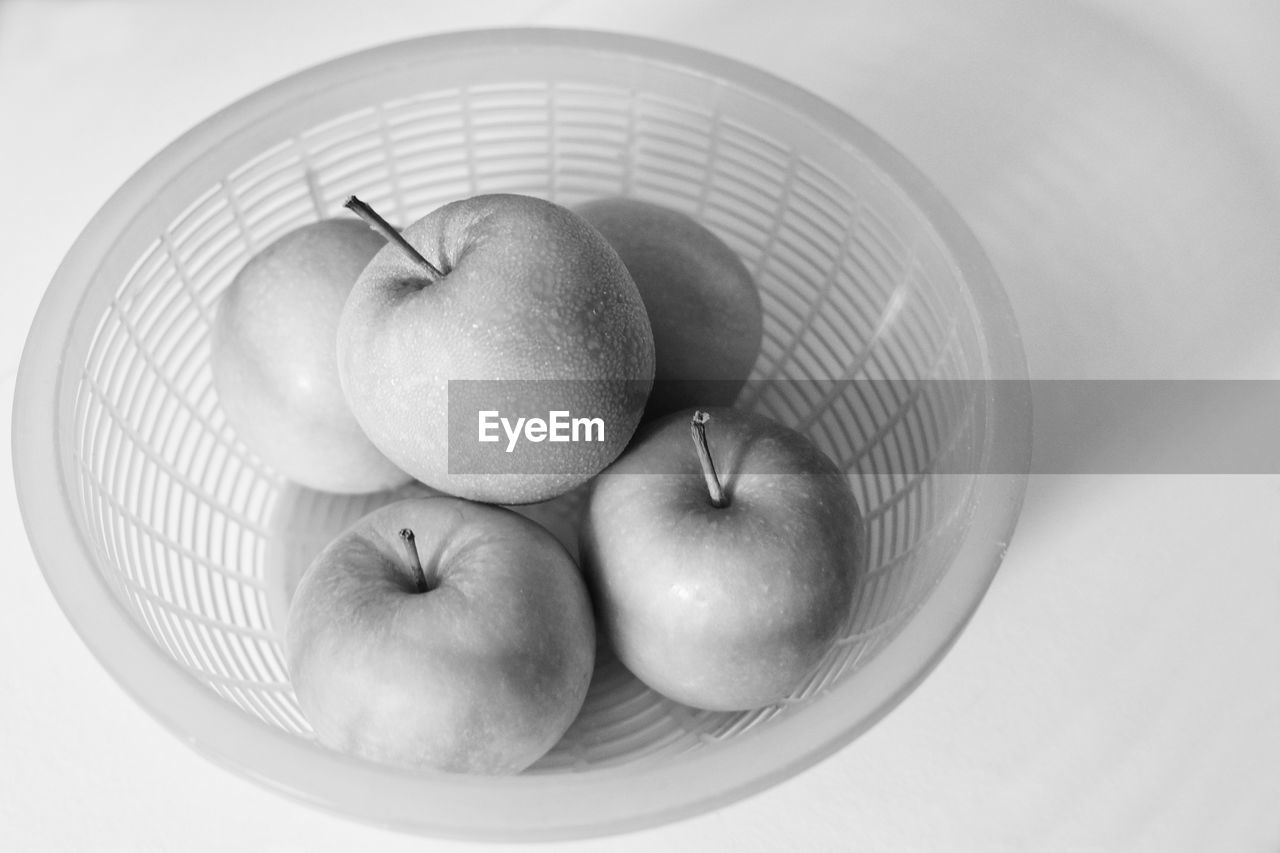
x=302 y=524
x=723 y=552
x=703 y=304
x=504 y=307
x=438 y=633
x=304 y=521
x=273 y=356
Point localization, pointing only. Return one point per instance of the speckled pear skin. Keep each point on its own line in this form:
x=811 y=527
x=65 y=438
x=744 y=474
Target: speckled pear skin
x=530 y=292
x=274 y=361
x=703 y=304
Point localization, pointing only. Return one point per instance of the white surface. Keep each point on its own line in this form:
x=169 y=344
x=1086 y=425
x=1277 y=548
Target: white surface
x=1118 y=689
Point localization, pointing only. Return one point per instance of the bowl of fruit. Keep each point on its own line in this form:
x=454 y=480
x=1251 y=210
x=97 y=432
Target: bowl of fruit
x=522 y=434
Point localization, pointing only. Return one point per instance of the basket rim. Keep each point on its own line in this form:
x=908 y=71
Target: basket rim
x=524 y=808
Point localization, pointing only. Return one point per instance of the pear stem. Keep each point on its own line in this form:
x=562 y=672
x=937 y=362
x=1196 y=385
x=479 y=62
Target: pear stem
x=386 y=229
x=421 y=582
x=698 y=426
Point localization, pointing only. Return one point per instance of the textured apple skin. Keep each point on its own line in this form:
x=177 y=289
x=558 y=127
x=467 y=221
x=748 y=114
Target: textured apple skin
x=531 y=292
x=273 y=356
x=722 y=608
x=305 y=521
x=703 y=304
x=482 y=674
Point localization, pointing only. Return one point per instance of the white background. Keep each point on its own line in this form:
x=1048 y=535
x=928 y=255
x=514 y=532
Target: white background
x=1119 y=688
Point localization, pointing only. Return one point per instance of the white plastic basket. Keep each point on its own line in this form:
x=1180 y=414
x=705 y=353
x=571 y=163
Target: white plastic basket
x=164 y=539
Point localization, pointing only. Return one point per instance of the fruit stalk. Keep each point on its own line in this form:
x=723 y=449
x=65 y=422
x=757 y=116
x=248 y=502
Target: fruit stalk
x=698 y=426
x=422 y=583
x=386 y=229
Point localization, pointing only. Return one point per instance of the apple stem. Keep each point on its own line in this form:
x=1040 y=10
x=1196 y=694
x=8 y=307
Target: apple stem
x=698 y=426
x=421 y=582
x=386 y=229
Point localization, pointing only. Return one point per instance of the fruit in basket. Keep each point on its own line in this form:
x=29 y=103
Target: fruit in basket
x=305 y=521
x=437 y=633
x=505 y=304
x=274 y=363
x=703 y=304
x=723 y=563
